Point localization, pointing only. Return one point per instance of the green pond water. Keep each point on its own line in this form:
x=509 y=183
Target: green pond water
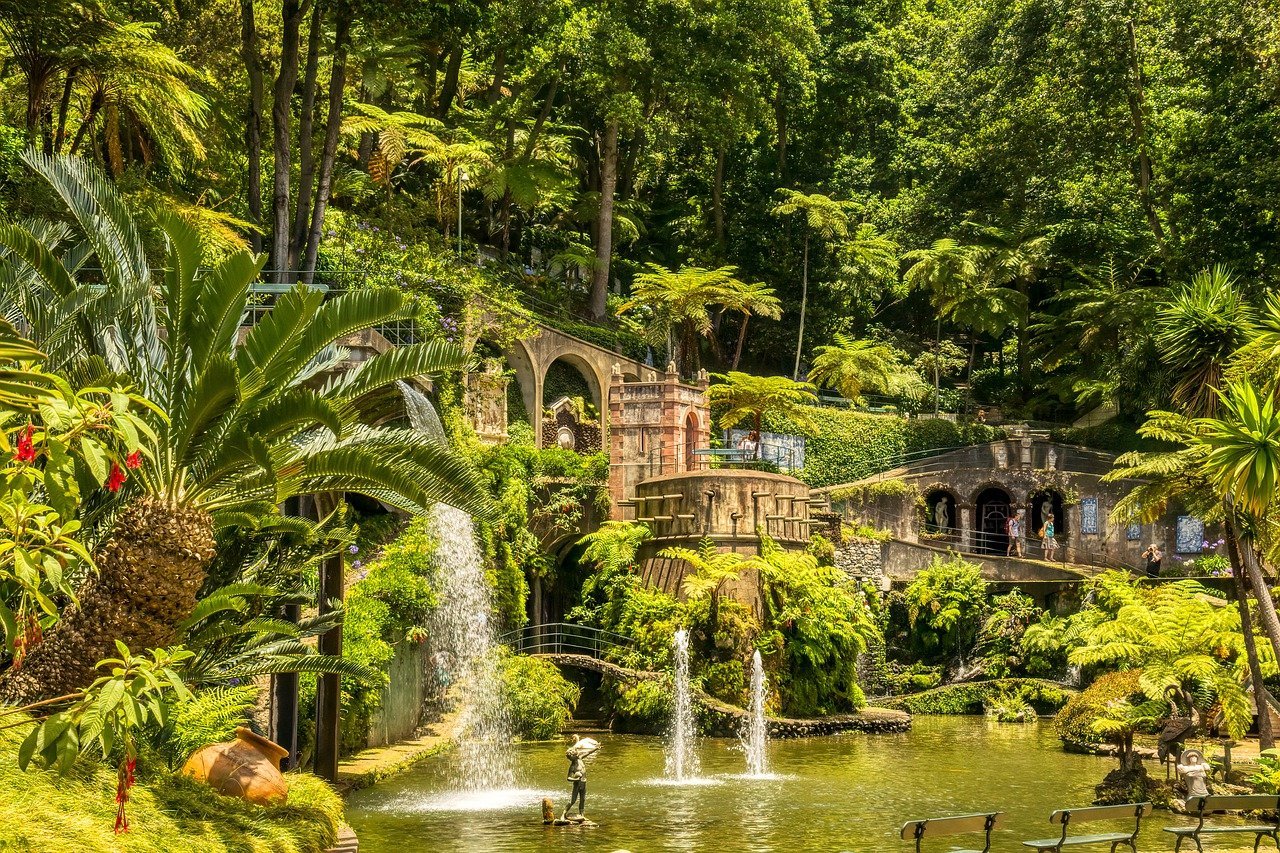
x=846 y=793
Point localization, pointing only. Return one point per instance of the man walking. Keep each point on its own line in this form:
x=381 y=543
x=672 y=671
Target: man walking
x=1013 y=529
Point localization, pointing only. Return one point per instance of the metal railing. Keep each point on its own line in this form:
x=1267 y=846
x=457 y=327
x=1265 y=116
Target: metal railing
x=564 y=638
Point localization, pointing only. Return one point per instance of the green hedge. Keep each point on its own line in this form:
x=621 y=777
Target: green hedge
x=972 y=697
x=848 y=445
x=1074 y=723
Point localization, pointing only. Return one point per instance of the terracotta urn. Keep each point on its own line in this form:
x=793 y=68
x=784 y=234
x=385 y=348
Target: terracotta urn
x=247 y=767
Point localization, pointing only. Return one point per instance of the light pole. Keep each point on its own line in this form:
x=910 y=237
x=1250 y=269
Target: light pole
x=462 y=176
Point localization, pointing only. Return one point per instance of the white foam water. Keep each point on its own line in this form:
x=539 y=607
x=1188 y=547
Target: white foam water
x=755 y=730
x=682 y=761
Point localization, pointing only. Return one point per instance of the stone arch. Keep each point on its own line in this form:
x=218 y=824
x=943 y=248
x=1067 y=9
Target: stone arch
x=1036 y=502
x=992 y=505
x=944 y=519
x=597 y=381
x=692 y=426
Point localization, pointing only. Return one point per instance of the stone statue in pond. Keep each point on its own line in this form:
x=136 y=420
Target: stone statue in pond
x=577 y=755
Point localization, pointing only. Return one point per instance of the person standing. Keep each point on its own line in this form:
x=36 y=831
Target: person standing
x=1047 y=542
x=1154 y=556
x=1014 y=531
x=577 y=754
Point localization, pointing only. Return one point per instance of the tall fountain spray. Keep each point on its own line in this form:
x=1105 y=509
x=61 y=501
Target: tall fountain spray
x=682 y=745
x=755 y=734
x=483 y=759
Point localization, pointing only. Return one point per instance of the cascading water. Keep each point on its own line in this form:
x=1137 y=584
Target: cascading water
x=755 y=734
x=422 y=415
x=682 y=746
x=483 y=761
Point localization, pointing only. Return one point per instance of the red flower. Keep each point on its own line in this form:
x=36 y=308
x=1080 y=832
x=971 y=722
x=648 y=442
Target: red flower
x=124 y=781
x=116 y=478
x=134 y=460
x=26 y=451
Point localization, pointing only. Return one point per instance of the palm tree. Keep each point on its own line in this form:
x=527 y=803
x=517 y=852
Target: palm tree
x=945 y=269
x=850 y=366
x=743 y=396
x=680 y=303
x=246 y=425
x=827 y=218
x=1200 y=330
x=753 y=300
x=1015 y=257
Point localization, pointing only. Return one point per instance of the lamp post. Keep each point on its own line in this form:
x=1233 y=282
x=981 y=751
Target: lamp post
x=462 y=176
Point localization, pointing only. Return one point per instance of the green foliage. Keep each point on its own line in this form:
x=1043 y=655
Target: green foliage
x=742 y=397
x=819 y=621
x=1266 y=778
x=1009 y=708
x=973 y=697
x=945 y=603
x=1000 y=640
x=540 y=699
x=643 y=707
x=1074 y=724
x=169 y=814
x=208 y=716
x=842 y=446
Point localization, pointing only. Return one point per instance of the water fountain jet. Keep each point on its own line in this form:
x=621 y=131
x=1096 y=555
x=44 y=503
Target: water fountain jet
x=755 y=734
x=682 y=762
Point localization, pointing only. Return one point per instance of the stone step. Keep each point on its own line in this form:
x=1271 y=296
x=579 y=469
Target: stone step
x=346 y=843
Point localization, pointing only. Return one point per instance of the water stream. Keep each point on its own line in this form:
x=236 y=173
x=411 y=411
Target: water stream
x=755 y=734
x=482 y=762
x=422 y=415
x=682 y=764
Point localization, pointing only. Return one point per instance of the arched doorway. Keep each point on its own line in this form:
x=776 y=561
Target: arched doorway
x=691 y=435
x=940 y=512
x=1042 y=503
x=992 y=507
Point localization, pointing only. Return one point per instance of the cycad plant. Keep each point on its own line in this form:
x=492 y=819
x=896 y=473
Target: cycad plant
x=250 y=419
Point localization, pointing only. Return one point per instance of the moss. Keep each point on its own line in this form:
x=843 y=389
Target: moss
x=973 y=697
x=1074 y=723
x=43 y=812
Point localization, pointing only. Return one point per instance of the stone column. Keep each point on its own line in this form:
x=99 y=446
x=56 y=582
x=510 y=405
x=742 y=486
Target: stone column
x=965 y=511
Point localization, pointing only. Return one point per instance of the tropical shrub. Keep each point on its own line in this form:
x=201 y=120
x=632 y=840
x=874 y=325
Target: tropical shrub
x=540 y=699
x=1075 y=723
x=944 y=607
x=973 y=697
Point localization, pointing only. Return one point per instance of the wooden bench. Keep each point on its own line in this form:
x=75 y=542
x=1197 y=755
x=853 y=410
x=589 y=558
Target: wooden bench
x=1071 y=817
x=918 y=830
x=1204 y=806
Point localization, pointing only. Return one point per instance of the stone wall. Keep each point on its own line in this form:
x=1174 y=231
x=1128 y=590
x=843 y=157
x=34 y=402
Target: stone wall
x=860 y=558
x=402 y=699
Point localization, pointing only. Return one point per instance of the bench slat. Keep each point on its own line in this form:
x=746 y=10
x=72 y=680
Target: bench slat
x=1127 y=810
x=955 y=825
x=1050 y=843
x=1238 y=802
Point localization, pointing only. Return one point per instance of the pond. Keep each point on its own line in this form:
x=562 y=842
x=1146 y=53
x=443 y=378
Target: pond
x=850 y=792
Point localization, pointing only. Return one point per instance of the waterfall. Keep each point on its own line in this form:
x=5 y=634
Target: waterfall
x=755 y=734
x=422 y=415
x=1074 y=676
x=483 y=760
x=682 y=745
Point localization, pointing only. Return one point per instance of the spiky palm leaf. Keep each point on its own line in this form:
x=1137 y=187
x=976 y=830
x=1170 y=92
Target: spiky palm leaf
x=247 y=424
x=744 y=396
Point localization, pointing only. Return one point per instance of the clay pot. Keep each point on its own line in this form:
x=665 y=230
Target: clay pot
x=247 y=767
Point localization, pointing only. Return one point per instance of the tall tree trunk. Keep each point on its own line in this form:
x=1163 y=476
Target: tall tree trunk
x=968 y=390
x=449 y=89
x=150 y=570
x=804 y=303
x=717 y=205
x=1137 y=109
x=1024 y=351
x=742 y=339
x=547 y=105
x=499 y=75
x=780 y=117
x=1261 y=697
x=38 y=74
x=64 y=104
x=253 y=119
x=604 y=221
x=306 y=123
x=292 y=12
x=1257 y=580
x=333 y=126
x=937 y=377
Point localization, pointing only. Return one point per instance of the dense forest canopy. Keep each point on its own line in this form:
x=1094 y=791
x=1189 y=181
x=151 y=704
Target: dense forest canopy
x=1006 y=191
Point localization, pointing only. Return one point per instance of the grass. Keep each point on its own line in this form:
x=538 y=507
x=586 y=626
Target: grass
x=43 y=813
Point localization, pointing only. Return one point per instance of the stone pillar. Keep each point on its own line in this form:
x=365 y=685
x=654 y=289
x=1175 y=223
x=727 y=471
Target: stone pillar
x=965 y=512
